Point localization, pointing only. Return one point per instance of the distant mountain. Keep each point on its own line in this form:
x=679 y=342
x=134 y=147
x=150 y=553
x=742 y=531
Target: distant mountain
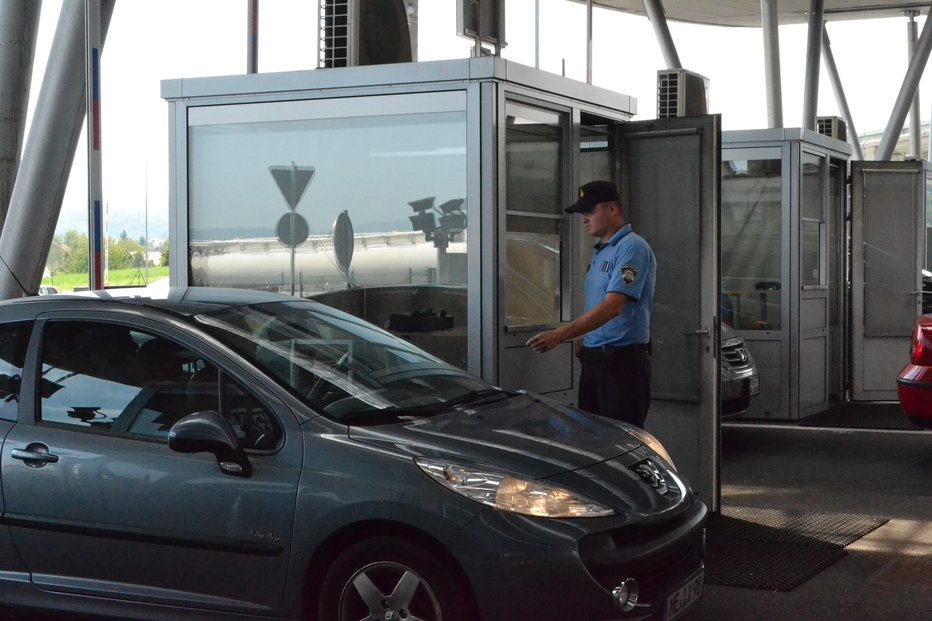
x=134 y=223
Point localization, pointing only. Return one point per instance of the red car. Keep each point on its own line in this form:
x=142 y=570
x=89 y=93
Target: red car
x=914 y=384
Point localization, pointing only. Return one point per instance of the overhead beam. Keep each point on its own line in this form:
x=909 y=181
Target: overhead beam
x=915 y=124
x=917 y=65
x=813 y=53
x=770 y=29
x=829 y=59
x=658 y=20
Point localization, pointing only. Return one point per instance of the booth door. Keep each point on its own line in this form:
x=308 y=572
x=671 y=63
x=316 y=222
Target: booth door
x=888 y=242
x=670 y=179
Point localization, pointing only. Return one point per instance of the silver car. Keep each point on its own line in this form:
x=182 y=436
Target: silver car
x=740 y=378
x=210 y=454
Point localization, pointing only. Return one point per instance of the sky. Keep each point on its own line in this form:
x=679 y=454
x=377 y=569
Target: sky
x=152 y=40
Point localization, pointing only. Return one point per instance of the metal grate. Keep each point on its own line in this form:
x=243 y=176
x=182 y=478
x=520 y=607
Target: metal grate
x=334 y=37
x=778 y=550
x=668 y=94
x=681 y=93
x=832 y=126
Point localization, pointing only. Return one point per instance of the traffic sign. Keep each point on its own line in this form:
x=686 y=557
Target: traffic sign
x=292 y=229
x=292 y=181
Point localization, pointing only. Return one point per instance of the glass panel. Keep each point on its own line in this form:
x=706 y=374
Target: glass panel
x=116 y=379
x=533 y=185
x=400 y=180
x=340 y=366
x=595 y=154
x=533 y=165
x=928 y=253
x=836 y=238
x=810 y=262
x=812 y=208
x=752 y=243
x=14 y=339
x=533 y=271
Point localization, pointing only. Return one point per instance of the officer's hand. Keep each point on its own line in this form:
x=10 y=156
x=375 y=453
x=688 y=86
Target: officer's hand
x=543 y=342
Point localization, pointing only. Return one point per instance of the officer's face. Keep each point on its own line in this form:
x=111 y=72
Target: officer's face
x=602 y=221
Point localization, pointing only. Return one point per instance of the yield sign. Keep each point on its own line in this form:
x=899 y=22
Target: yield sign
x=292 y=181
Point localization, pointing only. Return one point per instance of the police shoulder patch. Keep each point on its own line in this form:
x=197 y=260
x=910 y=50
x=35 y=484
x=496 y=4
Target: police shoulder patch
x=629 y=274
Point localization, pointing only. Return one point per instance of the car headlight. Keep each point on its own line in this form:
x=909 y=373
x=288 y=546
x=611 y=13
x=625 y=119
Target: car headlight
x=651 y=442
x=509 y=493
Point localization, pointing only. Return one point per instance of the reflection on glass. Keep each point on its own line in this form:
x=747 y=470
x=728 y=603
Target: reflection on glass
x=400 y=178
x=751 y=244
x=534 y=189
x=928 y=253
x=810 y=262
x=812 y=197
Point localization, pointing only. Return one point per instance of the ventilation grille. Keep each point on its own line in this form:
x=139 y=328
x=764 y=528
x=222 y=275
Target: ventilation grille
x=832 y=126
x=681 y=93
x=335 y=35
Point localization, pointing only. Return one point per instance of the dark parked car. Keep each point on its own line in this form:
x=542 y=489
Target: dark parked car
x=220 y=454
x=740 y=377
x=914 y=384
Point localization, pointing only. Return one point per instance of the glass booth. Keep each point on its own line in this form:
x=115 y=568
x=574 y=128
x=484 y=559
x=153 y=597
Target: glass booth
x=783 y=264
x=395 y=192
x=428 y=198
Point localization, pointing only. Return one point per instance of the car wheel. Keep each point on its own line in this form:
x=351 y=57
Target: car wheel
x=391 y=579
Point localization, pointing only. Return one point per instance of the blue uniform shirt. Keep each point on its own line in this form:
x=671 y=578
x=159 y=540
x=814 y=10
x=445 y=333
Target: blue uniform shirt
x=625 y=264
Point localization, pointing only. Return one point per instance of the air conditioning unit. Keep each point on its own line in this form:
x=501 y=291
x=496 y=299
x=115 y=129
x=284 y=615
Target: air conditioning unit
x=681 y=93
x=832 y=126
x=366 y=32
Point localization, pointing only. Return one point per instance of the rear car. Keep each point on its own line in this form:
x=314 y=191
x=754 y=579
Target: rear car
x=221 y=454
x=740 y=377
x=914 y=383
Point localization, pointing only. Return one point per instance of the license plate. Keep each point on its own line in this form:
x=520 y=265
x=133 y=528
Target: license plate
x=683 y=597
x=755 y=386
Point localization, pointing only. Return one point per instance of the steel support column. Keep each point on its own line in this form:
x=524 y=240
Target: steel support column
x=19 y=22
x=813 y=52
x=840 y=98
x=49 y=151
x=915 y=123
x=252 y=37
x=770 y=29
x=917 y=65
x=658 y=19
x=588 y=41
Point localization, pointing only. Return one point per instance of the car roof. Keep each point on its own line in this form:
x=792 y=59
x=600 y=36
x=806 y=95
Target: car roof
x=178 y=300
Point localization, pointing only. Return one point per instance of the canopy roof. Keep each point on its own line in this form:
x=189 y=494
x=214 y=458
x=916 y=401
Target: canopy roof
x=747 y=12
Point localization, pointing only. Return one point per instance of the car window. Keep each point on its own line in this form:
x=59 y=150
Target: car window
x=113 y=378
x=14 y=339
x=340 y=366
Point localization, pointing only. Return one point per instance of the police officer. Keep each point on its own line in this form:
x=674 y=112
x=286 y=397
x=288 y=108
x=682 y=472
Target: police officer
x=619 y=293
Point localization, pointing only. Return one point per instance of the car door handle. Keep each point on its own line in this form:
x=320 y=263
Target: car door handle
x=35 y=455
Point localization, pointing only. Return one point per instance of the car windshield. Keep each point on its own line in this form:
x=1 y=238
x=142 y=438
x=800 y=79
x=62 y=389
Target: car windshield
x=342 y=366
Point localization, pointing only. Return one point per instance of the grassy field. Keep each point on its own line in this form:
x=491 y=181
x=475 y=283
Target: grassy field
x=132 y=276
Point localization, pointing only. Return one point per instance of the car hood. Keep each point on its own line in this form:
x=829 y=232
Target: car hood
x=526 y=434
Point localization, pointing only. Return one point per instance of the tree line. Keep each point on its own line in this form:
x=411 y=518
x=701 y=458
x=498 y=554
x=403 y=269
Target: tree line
x=69 y=250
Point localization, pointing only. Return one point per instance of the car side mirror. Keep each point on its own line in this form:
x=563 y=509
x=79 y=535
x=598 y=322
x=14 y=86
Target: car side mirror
x=209 y=432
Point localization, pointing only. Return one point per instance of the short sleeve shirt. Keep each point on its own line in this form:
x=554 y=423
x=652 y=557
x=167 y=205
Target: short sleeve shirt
x=625 y=264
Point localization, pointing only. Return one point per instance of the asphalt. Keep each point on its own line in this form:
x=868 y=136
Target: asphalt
x=860 y=460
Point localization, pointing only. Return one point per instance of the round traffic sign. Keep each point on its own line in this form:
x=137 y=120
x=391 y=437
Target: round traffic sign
x=292 y=229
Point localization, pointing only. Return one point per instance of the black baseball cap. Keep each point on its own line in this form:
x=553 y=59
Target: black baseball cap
x=593 y=193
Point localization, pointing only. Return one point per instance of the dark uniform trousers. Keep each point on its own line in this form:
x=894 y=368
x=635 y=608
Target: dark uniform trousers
x=615 y=382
